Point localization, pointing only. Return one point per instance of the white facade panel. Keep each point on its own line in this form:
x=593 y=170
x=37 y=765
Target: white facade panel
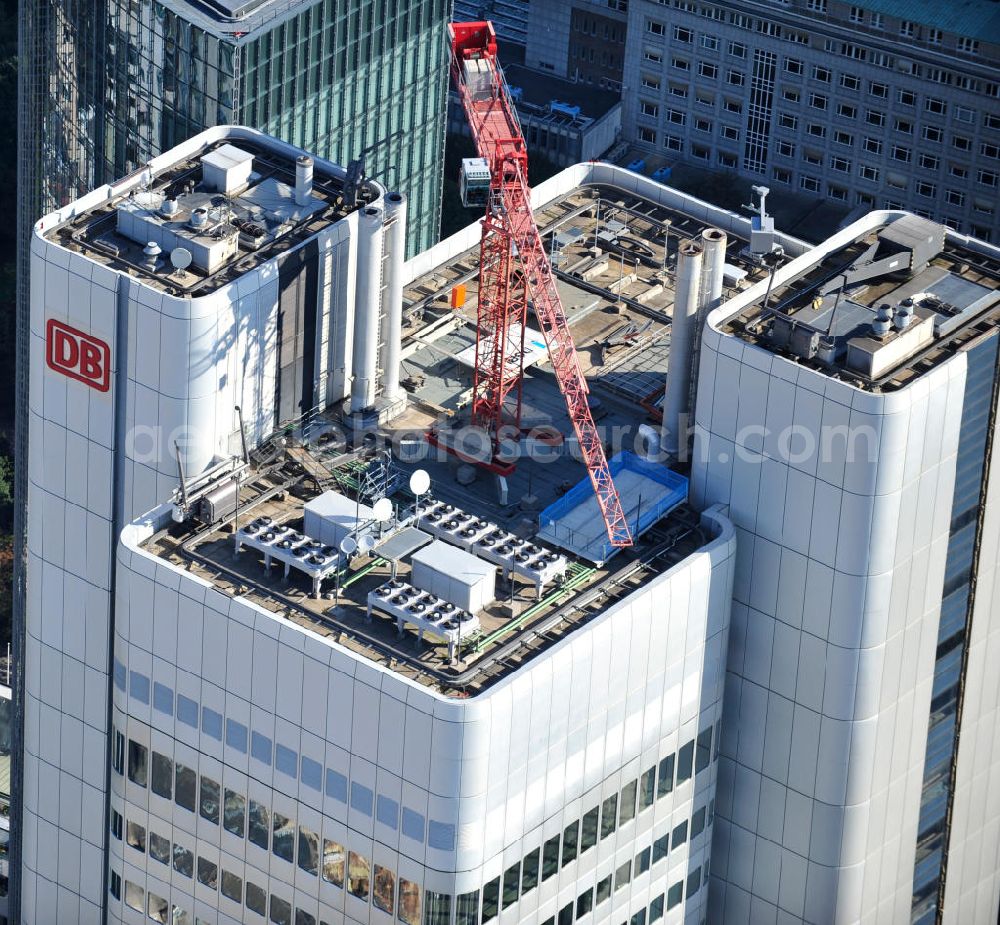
x=446 y=793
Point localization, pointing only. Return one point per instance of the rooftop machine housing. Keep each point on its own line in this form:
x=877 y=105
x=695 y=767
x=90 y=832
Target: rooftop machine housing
x=877 y=304
x=189 y=226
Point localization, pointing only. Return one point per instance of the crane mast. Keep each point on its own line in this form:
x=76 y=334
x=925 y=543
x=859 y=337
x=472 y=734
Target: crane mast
x=513 y=269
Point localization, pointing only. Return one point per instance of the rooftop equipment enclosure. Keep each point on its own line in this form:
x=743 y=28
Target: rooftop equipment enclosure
x=454 y=575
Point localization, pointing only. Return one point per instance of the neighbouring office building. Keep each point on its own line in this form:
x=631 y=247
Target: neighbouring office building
x=878 y=105
x=849 y=427
x=208 y=740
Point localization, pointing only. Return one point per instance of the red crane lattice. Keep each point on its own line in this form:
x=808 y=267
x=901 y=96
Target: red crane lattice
x=513 y=268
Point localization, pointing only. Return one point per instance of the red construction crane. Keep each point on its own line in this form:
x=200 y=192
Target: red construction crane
x=513 y=268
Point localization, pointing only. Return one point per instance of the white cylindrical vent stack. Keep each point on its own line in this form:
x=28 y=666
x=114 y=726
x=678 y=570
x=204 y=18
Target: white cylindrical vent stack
x=367 y=309
x=392 y=318
x=713 y=269
x=303 y=180
x=713 y=243
x=682 y=330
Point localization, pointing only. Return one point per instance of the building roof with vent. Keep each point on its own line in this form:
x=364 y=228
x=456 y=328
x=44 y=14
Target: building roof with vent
x=978 y=19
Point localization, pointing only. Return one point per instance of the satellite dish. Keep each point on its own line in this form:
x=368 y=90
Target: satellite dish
x=382 y=510
x=181 y=258
x=348 y=546
x=366 y=544
x=420 y=481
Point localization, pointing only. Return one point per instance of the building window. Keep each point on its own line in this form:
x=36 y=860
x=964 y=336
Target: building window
x=990 y=150
x=408 y=911
x=837 y=192
x=987 y=178
x=652 y=57
x=900 y=153
x=903 y=126
x=810 y=184
x=788 y=121
x=703 y=125
x=935 y=105
x=843 y=138
x=960 y=173
x=961 y=143
x=878 y=89
x=232 y=887
x=822 y=74
x=873 y=145
x=359 y=878
x=928 y=190
x=737 y=49
x=782 y=175
x=159 y=848
x=906 y=98
x=655 y=28
x=875 y=117
x=816 y=130
x=930 y=161
x=710 y=42
x=817 y=6
x=259 y=828
x=907 y=29
x=185 y=787
x=793 y=66
x=623 y=875
x=183 y=861
x=135 y=836
x=932 y=133
x=849 y=82
x=733 y=106
x=678 y=91
x=511 y=880
x=673 y=142
x=857 y=14
x=700 y=152
x=818 y=101
x=790 y=96
x=734 y=78
x=649 y=109
x=846 y=111
x=680 y=64
x=550 y=857
x=841 y=163
x=954 y=197
x=256 y=899
x=707 y=70
x=676 y=116
x=137 y=763
x=647 y=135
x=868 y=172
x=731 y=132
x=968 y=46
x=683 y=35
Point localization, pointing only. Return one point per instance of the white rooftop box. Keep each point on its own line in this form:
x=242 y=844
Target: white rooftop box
x=454 y=575
x=227 y=169
x=332 y=516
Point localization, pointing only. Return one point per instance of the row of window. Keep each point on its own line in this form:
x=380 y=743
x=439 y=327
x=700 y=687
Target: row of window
x=173 y=780
x=666 y=901
x=354 y=872
x=576 y=839
x=261 y=748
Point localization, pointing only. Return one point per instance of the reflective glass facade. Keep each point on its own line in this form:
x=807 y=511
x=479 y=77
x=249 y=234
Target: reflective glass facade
x=336 y=78
x=953 y=629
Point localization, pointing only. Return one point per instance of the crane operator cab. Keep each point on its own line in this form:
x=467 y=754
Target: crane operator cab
x=475 y=182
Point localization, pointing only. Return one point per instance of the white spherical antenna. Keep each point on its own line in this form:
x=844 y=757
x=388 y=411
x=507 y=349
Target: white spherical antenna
x=181 y=258
x=366 y=544
x=420 y=481
x=348 y=546
x=382 y=510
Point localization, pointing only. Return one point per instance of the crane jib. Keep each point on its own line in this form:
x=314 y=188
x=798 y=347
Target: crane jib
x=504 y=293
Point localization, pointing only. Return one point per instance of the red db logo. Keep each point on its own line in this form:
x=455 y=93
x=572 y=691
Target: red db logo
x=77 y=355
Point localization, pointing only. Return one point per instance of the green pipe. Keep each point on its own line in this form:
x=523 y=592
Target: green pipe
x=579 y=574
x=360 y=573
